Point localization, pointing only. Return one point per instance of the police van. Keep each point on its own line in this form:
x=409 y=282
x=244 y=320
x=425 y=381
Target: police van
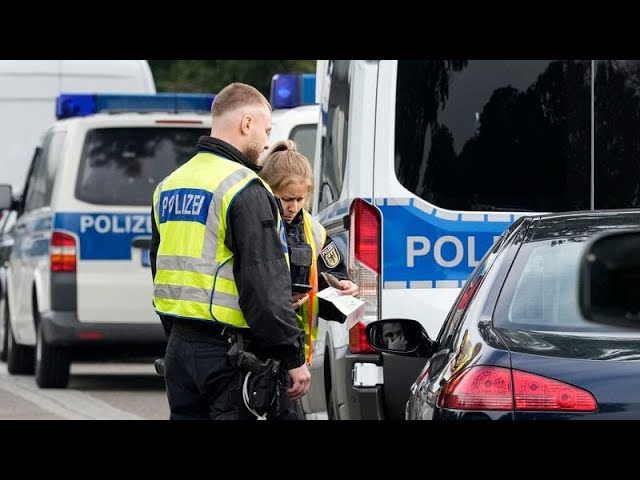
x=28 y=93
x=294 y=111
x=421 y=164
x=79 y=280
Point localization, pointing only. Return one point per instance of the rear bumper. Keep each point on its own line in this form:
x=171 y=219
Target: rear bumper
x=64 y=329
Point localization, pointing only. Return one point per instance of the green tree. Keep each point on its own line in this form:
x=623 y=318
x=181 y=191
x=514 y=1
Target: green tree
x=210 y=76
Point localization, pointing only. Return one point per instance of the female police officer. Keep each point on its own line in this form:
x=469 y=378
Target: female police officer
x=290 y=177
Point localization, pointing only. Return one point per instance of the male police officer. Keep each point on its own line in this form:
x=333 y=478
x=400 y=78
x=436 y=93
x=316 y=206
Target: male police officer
x=220 y=267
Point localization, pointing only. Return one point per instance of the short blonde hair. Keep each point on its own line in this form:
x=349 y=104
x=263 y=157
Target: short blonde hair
x=237 y=95
x=284 y=164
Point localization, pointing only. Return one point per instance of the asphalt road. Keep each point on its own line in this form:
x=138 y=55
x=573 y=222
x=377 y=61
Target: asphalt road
x=113 y=391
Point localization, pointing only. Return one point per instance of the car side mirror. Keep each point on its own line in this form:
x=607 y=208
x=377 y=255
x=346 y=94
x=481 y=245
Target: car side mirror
x=609 y=281
x=6 y=198
x=399 y=336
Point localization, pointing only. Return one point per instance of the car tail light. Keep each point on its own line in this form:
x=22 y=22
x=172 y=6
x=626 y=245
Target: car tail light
x=533 y=392
x=365 y=250
x=479 y=388
x=62 y=251
x=497 y=388
x=358 y=339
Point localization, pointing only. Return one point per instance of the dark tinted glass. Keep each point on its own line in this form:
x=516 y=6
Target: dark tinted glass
x=122 y=166
x=305 y=138
x=617 y=134
x=336 y=133
x=495 y=135
x=541 y=291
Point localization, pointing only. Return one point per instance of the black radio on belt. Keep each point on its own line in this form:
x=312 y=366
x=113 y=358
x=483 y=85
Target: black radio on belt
x=300 y=262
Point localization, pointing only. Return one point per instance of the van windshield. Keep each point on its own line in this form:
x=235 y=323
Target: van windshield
x=122 y=166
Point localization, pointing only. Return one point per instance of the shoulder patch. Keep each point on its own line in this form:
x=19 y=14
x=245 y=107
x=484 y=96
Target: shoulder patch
x=330 y=255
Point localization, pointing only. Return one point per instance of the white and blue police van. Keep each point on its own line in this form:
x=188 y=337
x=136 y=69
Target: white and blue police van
x=295 y=113
x=79 y=279
x=420 y=165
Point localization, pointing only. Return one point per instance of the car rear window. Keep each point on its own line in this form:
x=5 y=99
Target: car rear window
x=122 y=166
x=541 y=291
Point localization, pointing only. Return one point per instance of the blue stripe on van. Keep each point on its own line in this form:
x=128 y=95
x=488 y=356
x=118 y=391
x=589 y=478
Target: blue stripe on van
x=429 y=247
x=104 y=236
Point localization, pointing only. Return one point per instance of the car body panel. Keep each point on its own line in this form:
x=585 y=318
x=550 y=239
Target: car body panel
x=483 y=331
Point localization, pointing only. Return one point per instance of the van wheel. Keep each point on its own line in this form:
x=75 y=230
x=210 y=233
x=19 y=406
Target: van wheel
x=332 y=408
x=332 y=403
x=52 y=363
x=20 y=358
x=4 y=315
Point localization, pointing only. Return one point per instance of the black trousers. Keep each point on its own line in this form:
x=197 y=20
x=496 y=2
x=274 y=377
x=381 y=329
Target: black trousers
x=201 y=381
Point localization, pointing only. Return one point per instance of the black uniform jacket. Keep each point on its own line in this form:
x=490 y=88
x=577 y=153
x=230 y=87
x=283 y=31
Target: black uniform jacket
x=260 y=269
x=330 y=259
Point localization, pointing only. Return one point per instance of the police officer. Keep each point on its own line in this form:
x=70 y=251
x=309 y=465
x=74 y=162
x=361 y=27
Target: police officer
x=220 y=266
x=311 y=250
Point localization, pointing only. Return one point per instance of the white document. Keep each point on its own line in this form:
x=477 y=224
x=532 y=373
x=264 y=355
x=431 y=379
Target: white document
x=345 y=307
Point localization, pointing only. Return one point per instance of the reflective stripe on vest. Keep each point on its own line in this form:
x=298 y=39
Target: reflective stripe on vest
x=312 y=230
x=194 y=268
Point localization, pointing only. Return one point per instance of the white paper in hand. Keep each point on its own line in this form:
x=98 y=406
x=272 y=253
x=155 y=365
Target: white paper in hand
x=342 y=308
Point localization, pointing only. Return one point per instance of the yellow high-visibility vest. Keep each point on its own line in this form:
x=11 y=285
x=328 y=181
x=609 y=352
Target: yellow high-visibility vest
x=194 y=275
x=315 y=235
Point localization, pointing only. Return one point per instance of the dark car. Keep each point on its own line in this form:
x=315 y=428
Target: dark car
x=514 y=344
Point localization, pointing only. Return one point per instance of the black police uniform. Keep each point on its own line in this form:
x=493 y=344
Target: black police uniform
x=329 y=258
x=201 y=381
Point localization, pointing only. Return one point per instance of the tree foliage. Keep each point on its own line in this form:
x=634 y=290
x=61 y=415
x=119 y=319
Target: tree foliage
x=210 y=76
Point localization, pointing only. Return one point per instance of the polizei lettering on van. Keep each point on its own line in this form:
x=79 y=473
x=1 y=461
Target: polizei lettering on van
x=105 y=224
x=424 y=250
x=459 y=249
x=104 y=236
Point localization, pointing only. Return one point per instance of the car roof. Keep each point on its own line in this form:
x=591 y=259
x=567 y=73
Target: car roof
x=582 y=223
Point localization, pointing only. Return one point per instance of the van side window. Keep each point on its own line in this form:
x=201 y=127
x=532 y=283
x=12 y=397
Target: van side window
x=334 y=143
x=497 y=135
x=44 y=170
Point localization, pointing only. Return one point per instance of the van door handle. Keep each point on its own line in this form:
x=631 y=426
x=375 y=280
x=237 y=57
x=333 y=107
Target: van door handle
x=141 y=242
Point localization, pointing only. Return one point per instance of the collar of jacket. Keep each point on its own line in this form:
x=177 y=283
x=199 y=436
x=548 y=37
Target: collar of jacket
x=296 y=227
x=297 y=220
x=223 y=149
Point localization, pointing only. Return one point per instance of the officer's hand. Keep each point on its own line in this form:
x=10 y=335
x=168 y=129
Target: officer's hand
x=298 y=299
x=348 y=288
x=300 y=382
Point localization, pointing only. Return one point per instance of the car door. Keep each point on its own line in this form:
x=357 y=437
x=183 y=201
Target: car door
x=29 y=255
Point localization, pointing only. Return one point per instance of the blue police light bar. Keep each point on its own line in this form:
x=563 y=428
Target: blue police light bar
x=81 y=105
x=289 y=90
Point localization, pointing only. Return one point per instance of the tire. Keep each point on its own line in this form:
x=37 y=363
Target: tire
x=332 y=403
x=20 y=358
x=4 y=315
x=332 y=407
x=52 y=363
